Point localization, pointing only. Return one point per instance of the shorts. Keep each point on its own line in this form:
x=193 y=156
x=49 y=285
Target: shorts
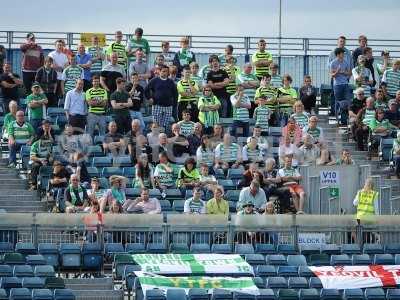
x=296 y=189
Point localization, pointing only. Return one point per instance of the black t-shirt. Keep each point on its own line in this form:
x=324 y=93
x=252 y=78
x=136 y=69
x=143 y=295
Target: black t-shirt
x=357 y=105
x=9 y=93
x=215 y=77
x=120 y=97
x=84 y=172
x=179 y=150
x=137 y=97
x=112 y=138
x=62 y=174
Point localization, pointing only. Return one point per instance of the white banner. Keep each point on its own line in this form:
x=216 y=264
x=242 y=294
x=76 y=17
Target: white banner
x=150 y=281
x=329 y=177
x=351 y=277
x=193 y=264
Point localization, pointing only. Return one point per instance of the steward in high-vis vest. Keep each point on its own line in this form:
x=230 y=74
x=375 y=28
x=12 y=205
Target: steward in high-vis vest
x=366 y=201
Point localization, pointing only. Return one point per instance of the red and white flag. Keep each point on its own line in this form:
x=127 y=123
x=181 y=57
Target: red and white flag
x=351 y=277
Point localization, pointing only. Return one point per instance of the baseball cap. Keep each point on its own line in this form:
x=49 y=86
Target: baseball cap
x=36 y=84
x=30 y=35
x=248 y=203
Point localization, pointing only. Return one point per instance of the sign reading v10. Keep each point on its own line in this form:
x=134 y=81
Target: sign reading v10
x=329 y=178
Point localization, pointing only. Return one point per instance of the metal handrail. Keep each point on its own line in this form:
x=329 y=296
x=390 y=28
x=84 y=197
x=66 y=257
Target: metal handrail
x=242 y=44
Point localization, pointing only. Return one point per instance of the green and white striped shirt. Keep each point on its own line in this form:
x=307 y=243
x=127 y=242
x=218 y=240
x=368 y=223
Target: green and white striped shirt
x=242 y=78
x=261 y=115
x=392 y=79
x=96 y=52
x=70 y=76
x=187 y=128
x=301 y=119
x=368 y=116
x=240 y=113
x=205 y=156
x=276 y=80
x=230 y=154
x=252 y=155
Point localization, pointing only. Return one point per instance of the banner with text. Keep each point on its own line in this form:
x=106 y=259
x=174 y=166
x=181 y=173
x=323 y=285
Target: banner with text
x=150 y=281
x=351 y=277
x=194 y=264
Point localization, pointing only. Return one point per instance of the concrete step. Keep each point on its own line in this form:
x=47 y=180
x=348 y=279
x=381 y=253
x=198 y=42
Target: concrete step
x=21 y=203
x=27 y=209
x=15 y=198
x=11 y=186
x=18 y=192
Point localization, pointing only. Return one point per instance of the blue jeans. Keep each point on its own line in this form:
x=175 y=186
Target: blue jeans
x=36 y=124
x=240 y=124
x=138 y=115
x=342 y=101
x=13 y=152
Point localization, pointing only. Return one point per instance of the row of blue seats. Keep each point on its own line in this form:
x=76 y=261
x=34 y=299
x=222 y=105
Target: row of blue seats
x=281 y=294
x=36 y=294
x=42 y=271
x=25 y=282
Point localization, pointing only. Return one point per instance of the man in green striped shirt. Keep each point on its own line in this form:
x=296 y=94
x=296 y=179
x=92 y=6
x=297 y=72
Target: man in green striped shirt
x=98 y=56
x=96 y=98
x=261 y=59
x=233 y=72
x=228 y=154
x=392 y=79
x=188 y=91
x=262 y=114
x=250 y=83
x=186 y=126
x=19 y=133
x=118 y=48
x=70 y=75
x=276 y=79
x=135 y=43
x=241 y=106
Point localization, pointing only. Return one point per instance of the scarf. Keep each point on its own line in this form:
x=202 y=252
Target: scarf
x=118 y=195
x=75 y=201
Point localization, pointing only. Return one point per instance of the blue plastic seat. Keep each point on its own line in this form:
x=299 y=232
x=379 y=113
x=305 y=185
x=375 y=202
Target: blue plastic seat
x=55 y=111
x=286 y=249
x=276 y=260
x=277 y=283
x=129 y=172
x=235 y=174
x=6 y=271
x=98 y=139
x=112 y=248
x=23 y=271
x=20 y=294
x=288 y=271
x=14 y=259
x=155 y=294
x=266 y=294
x=200 y=248
x=266 y=271
x=350 y=249
x=45 y=271
x=393 y=294
x=53 y=283
x=179 y=248
x=232 y=195
x=176 y=294
x=165 y=205
x=296 y=260
x=221 y=248
x=307 y=249
x=305 y=271
x=373 y=249
x=129 y=275
x=8 y=283
x=340 y=260
x=95 y=151
x=361 y=260
x=374 y=294
x=156 y=248
x=227 y=184
x=65 y=294
x=383 y=259
x=33 y=283
x=35 y=260
x=122 y=161
x=330 y=249
x=50 y=252
x=244 y=249
x=242 y=296
x=198 y=294
x=25 y=248
x=298 y=283
x=93 y=172
x=6 y=247
x=108 y=171
x=309 y=294
x=70 y=255
x=42 y=294
x=102 y=162
x=287 y=294
x=178 y=205
x=92 y=256
x=392 y=248
x=397 y=259
x=330 y=294
x=319 y=259
x=353 y=294
x=254 y=259
x=259 y=282
x=265 y=249
x=135 y=248
x=219 y=294
x=315 y=283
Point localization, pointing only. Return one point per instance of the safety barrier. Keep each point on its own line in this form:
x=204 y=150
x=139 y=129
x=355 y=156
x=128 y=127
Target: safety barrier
x=180 y=229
